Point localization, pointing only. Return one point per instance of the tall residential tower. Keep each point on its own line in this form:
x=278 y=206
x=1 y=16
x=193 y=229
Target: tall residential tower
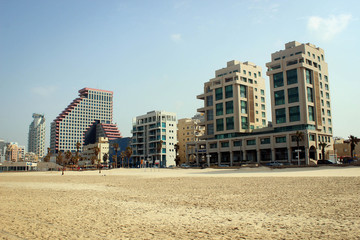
x=36 y=141
x=69 y=127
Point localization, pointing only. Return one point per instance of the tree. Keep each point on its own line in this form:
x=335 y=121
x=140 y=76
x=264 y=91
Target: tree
x=68 y=156
x=105 y=157
x=47 y=157
x=353 y=141
x=96 y=157
x=128 y=153
x=60 y=160
x=122 y=156
x=116 y=148
x=177 y=158
x=323 y=146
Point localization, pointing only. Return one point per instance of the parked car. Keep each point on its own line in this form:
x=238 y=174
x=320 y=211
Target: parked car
x=274 y=164
x=324 y=162
x=184 y=165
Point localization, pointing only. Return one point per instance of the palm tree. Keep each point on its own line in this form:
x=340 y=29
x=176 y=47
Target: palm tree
x=47 y=157
x=353 y=141
x=177 y=158
x=128 y=153
x=105 y=157
x=60 y=160
x=116 y=147
x=299 y=136
x=68 y=155
x=323 y=146
x=96 y=155
x=122 y=156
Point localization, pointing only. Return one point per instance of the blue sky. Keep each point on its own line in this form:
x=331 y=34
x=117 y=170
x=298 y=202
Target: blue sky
x=156 y=55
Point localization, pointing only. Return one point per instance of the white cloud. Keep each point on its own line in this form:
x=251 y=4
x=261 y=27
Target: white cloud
x=327 y=28
x=43 y=91
x=176 y=37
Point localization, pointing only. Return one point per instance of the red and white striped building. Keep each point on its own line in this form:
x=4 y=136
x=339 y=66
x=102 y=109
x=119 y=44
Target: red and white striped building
x=69 y=127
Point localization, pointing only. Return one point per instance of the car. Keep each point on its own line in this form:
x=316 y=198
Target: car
x=184 y=165
x=324 y=162
x=274 y=164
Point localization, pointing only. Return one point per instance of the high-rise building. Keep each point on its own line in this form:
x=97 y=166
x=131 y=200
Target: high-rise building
x=189 y=130
x=154 y=138
x=299 y=86
x=69 y=127
x=300 y=106
x=36 y=141
x=234 y=101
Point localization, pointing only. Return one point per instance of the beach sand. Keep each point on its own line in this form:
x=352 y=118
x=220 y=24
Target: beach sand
x=247 y=203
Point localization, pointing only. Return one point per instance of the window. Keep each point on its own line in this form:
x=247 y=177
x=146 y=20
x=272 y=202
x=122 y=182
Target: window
x=244 y=71
x=264 y=122
x=210 y=129
x=293 y=95
x=263 y=114
x=278 y=80
x=291 y=76
x=249 y=73
x=230 y=123
x=242 y=91
x=218 y=94
x=255 y=76
x=219 y=109
x=262 y=106
x=224 y=144
x=327 y=96
x=326 y=87
x=280 y=115
x=308 y=74
x=279 y=97
x=220 y=124
x=229 y=107
x=311 y=113
x=209 y=101
x=244 y=123
x=322 y=102
x=262 y=92
x=329 y=121
x=326 y=78
x=262 y=99
x=294 y=113
x=251 y=142
x=321 y=86
x=310 y=95
x=330 y=130
x=210 y=115
x=250 y=80
x=312 y=137
x=259 y=73
x=243 y=106
x=329 y=113
x=237 y=143
x=229 y=91
x=213 y=145
x=265 y=141
x=280 y=139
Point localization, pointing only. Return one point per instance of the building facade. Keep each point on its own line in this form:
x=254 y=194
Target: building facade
x=154 y=138
x=234 y=101
x=69 y=127
x=189 y=130
x=300 y=105
x=88 y=150
x=36 y=139
x=14 y=152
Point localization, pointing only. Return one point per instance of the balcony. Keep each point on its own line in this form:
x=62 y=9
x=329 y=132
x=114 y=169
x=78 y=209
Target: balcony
x=201 y=96
x=201 y=110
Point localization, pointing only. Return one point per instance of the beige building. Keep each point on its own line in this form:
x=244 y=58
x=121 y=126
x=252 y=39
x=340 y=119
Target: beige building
x=88 y=150
x=234 y=101
x=14 y=152
x=189 y=130
x=300 y=102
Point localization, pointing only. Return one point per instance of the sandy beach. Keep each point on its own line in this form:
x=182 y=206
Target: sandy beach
x=247 y=203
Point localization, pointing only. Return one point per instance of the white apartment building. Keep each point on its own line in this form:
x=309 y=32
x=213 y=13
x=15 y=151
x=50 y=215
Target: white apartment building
x=154 y=138
x=69 y=127
x=36 y=140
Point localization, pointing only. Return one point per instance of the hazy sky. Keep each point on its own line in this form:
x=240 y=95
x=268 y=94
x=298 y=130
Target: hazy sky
x=156 y=55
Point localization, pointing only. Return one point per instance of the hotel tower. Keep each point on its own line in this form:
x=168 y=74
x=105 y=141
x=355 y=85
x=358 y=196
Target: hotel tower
x=69 y=127
x=36 y=141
